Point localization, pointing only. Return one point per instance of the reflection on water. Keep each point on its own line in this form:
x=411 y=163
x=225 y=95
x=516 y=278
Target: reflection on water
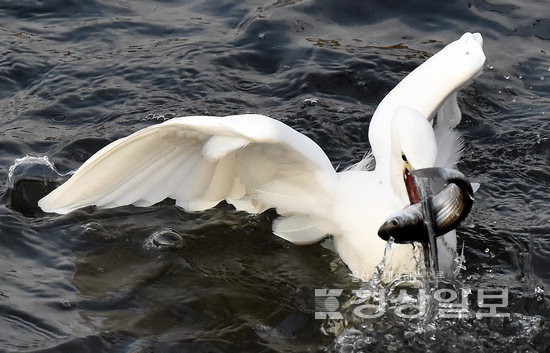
x=77 y=75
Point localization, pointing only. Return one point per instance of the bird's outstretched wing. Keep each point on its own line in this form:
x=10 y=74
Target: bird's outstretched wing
x=252 y=161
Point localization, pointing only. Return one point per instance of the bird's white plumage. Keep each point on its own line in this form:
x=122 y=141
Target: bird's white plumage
x=252 y=161
x=255 y=163
x=428 y=88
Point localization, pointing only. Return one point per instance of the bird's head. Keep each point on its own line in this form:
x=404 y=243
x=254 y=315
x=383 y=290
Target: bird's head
x=467 y=52
x=413 y=147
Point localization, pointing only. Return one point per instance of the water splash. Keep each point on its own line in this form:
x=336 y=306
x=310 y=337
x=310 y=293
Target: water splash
x=389 y=245
x=30 y=161
x=459 y=262
x=393 y=314
x=92 y=227
x=164 y=239
x=29 y=179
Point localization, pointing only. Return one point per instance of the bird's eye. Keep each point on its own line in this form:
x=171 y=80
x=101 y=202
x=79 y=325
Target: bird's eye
x=403 y=157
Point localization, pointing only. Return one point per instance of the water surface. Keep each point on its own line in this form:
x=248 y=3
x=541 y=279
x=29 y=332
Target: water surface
x=76 y=75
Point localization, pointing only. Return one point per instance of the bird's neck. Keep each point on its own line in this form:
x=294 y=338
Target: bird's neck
x=424 y=89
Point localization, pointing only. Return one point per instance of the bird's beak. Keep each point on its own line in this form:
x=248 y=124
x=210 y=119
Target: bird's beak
x=410 y=185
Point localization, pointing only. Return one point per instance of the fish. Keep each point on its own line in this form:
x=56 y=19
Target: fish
x=450 y=207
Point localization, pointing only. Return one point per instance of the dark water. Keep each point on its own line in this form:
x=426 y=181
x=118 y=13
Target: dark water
x=75 y=75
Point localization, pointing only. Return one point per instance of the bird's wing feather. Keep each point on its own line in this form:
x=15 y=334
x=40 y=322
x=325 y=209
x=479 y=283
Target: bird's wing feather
x=299 y=229
x=449 y=113
x=252 y=161
x=449 y=141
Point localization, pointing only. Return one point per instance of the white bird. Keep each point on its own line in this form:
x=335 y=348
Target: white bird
x=256 y=163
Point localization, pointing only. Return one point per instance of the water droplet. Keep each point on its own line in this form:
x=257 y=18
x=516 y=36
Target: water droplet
x=360 y=344
x=487 y=250
x=506 y=77
x=542 y=78
x=261 y=35
x=67 y=304
x=520 y=77
x=311 y=101
x=490 y=67
x=389 y=243
x=92 y=227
